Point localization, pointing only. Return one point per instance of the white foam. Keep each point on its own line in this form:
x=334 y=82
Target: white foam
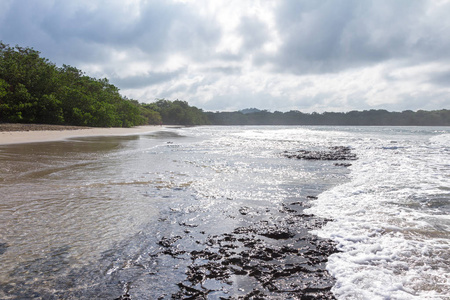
x=391 y=246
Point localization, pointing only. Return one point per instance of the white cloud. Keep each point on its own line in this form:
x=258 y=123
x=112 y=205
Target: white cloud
x=224 y=55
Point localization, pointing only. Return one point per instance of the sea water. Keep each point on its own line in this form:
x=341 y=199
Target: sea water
x=83 y=218
x=391 y=220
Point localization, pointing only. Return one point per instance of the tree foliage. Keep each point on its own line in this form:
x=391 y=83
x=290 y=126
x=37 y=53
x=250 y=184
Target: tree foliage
x=178 y=112
x=34 y=90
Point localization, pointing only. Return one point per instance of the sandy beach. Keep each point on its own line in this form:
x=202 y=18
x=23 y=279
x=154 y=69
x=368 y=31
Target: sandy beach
x=19 y=134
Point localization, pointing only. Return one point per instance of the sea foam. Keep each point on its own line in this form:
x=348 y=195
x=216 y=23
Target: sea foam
x=393 y=237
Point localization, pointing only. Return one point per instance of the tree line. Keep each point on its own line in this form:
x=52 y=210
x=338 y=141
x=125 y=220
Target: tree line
x=35 y=90
x=372 y=117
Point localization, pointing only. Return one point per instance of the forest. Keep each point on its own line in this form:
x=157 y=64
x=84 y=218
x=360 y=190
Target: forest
x=35 y=90
x=372 y=117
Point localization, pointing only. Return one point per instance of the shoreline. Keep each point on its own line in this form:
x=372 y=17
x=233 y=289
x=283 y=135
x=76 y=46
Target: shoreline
x=209 y=239
x=33 y=133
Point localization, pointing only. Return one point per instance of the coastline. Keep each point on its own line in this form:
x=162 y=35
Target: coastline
x=262 y=248
x=32 y=133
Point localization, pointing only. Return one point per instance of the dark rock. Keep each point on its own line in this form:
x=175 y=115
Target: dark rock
x=126 y=295
x=342 y=164
x=167 y=242
x=334 y=153
x=188 y=225
x=270 y=255
x=287 y=269
x=3 y=248
x=243 y=210
x=277 y=234
x=187 y=292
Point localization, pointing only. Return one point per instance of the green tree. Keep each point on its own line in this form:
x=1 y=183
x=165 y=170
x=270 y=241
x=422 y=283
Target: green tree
x=32 y=89
x=178 y=112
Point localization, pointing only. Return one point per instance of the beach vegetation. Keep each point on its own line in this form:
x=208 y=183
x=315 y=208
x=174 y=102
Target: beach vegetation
x=178 y=112
x=34 y=90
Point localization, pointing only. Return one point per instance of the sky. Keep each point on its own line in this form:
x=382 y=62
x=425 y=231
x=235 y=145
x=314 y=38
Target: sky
x=227 y=55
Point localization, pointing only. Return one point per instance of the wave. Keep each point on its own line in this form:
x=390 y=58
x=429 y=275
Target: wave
x=391 y=220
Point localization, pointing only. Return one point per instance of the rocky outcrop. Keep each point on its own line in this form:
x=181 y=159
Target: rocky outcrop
x=274 y=258
x=333 y=153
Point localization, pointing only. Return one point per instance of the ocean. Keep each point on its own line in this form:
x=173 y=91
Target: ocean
x=216 y=212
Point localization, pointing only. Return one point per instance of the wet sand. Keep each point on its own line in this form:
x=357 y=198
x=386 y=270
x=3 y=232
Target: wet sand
x=32 y=133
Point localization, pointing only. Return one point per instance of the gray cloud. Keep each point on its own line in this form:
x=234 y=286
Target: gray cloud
x=254 y=33
x=244 y=99
x=320 y=42
x=85 y=31
x=330 y=36
x=134 y=82
x=440 y=78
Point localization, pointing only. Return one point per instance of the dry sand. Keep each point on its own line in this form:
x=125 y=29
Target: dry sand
x=45 y=133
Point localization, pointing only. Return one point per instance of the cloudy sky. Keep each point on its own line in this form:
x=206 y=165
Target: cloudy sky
x=308 y=55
